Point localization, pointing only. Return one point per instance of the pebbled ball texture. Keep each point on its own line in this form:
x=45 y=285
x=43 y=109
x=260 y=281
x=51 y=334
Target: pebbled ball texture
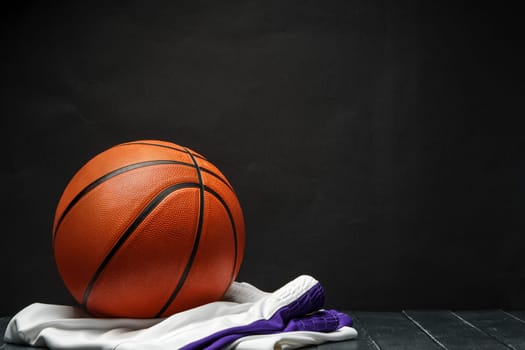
x=146 y=229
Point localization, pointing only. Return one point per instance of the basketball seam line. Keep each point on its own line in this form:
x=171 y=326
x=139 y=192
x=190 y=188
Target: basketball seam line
x=106 y=177
x=127 y=233
x=158 y=145
x=218 y=177
x=140 y=218
x=195 y=247
x=119 y=171
x=232 y=221
x=179 y=150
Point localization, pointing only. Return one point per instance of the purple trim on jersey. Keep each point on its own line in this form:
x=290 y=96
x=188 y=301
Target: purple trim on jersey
x=321 y=321
x=299 y=315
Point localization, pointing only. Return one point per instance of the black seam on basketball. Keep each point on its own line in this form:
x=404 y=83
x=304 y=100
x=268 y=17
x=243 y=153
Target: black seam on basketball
x=218 y=177
x=223 y=202
x=181 y=150
x=195 y=243
x=164 y=146
x=106 y=177
x=119 y=171
x=138 y=220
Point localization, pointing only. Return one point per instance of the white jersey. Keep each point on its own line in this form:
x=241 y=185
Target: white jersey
x=246 y=318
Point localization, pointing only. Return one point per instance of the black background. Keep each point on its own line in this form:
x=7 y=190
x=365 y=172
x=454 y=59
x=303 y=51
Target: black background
x=374 y=146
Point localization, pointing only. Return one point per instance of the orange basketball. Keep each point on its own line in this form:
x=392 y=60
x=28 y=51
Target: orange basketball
x=147 y=229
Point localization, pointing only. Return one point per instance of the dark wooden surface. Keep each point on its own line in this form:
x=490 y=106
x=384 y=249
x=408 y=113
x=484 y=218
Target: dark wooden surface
x=422 y=330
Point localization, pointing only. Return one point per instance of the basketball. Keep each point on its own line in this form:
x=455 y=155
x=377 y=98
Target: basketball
x=147 y=229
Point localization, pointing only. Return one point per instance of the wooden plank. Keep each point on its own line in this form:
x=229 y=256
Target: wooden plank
x=394 y=331
x=500 y=325
x=518 y=314
x=362 y=342
x=451 y=333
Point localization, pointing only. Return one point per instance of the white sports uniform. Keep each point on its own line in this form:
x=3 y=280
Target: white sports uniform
x=246 y=318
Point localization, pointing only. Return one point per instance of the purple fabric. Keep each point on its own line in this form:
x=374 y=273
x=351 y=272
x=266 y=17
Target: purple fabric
x=300 y=315
x=321 y=321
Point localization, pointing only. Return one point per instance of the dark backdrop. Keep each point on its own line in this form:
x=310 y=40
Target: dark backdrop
x=374 y=146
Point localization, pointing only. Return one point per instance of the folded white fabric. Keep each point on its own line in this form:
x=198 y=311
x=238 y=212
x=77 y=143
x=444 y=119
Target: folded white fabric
x=246 y=318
